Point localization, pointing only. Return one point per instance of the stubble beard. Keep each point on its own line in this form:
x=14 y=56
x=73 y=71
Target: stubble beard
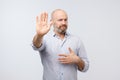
x=60 y=31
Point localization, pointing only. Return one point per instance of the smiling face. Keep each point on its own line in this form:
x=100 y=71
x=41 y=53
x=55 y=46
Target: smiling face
x=60 y=21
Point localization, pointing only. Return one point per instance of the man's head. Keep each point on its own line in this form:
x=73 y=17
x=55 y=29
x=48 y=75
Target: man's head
x=60 y=21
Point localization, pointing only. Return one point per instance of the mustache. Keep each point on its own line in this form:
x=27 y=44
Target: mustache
x=63 y=25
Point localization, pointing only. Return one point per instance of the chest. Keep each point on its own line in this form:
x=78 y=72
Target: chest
x=57 y=46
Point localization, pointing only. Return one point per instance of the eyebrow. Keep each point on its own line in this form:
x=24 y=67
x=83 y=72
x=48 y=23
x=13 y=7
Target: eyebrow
x=62 y=19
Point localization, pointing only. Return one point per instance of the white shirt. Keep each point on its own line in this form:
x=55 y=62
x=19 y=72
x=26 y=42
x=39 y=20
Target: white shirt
x=52 y=45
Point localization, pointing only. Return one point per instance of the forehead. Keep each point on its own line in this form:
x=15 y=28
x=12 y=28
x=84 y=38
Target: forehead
x=60 y=15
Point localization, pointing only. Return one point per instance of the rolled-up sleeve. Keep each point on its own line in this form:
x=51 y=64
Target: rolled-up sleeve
x=83 y=55
x=86 y=65
x=42 y=47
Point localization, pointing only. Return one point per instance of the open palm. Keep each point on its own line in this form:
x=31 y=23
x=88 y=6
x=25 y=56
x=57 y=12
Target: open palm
x=42 y=26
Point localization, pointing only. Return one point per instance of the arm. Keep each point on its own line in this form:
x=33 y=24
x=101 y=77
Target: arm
x=42 y=27
x=37 y=41
x=83 y=56
x=72 y=58
x=80 y=63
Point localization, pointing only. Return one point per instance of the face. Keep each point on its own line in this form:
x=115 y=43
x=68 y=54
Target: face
x=60 y=22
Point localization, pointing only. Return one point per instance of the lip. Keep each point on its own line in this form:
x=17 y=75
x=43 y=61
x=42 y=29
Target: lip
x=63 y=26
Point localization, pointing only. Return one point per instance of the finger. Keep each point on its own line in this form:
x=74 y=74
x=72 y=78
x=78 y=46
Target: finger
x=37 y=19
x=64 y=55
x=46 y=17
x=50 y=24
x=63 y=61
x=63 y=58
x=42 y=17
x=71 y=51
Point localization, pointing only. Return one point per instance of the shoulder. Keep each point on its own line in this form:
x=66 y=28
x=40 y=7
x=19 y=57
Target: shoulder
x=47 y=39
x=48 y=36
x=76 y=37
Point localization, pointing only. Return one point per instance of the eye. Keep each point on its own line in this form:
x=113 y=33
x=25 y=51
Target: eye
x=65 y=19
x=60 y=19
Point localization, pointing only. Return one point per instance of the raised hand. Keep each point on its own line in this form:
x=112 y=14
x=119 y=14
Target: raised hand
x=42 y=26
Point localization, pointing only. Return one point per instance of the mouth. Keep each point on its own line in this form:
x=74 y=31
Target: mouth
x=64 y=26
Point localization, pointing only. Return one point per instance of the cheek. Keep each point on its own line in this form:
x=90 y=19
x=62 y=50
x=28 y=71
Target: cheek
x=58 y=25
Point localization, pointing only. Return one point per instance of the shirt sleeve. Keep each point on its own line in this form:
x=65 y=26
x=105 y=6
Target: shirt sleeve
x=42 y=47
x=83 y=55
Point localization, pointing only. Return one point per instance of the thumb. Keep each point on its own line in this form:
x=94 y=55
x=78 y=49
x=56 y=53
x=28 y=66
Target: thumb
x=71 y=51
x=50 y=24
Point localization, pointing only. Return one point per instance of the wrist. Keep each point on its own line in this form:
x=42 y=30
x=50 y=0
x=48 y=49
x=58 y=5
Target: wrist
x=80 y=63
x=39 y=36
x=76 y=60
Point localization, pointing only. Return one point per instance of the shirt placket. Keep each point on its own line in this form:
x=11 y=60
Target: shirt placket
x=61 y=73
x=61 y=50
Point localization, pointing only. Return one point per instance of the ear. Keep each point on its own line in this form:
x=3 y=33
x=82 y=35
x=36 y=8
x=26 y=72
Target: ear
x=51 y=20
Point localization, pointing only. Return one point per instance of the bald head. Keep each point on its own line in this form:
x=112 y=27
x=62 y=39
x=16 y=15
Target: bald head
x=58 y=12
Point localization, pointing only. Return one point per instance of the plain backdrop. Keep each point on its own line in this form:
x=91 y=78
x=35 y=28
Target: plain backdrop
x=97 y=22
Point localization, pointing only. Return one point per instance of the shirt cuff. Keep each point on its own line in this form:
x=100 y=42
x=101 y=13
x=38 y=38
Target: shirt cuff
x=86 y=67
x=38 y=49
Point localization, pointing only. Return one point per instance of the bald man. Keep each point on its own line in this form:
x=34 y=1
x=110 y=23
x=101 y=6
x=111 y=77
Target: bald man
x=62 y=53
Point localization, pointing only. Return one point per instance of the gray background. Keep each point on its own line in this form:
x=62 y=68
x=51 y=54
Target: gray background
x=97 y=22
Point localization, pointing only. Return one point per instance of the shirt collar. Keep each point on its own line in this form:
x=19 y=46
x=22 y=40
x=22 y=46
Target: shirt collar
x=67 y=34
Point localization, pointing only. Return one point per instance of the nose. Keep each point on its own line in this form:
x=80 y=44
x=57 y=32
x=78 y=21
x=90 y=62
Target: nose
x=63 y=21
